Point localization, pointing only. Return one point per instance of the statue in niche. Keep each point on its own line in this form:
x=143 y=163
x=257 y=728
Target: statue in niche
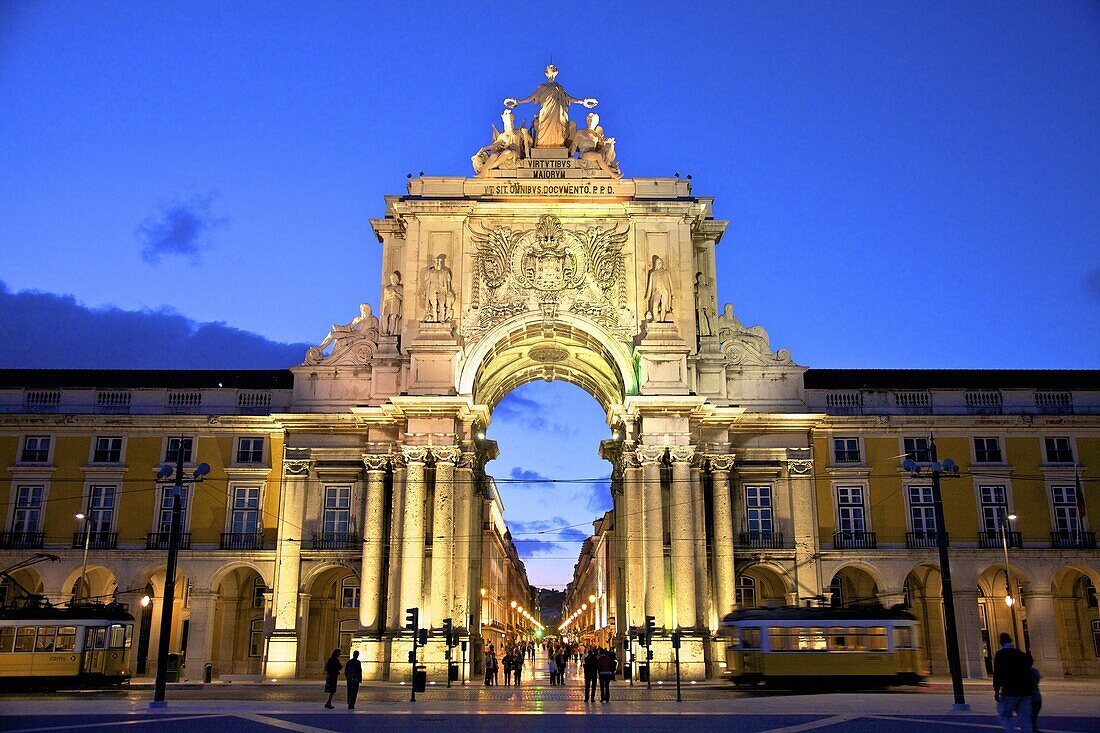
x=730 y=326
x=435 y=288
x=552 y=125
x=658 y=292
x=702 y=313
x=507 y=147
x=591 y=144
x=393 y=299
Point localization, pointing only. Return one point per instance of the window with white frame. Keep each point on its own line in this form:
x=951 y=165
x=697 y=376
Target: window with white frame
x=258 y=590
x=28 y=509
x=922 y=514
x=758 y=509
x=1058 y=450
x=746 y=591
x=994 y=505
x=101 y=508
x=851 y=509
x=1067 y=513
x=918 y=449
x=987 y=450
x=175 y=447
x=36 y=449
x=348 y=629
x=245 y=517
x=349 y=593
x=256 y=638
x=337 y=515
x=107 y=450
x=250 y=450
x=846 y=450
x=164 y=525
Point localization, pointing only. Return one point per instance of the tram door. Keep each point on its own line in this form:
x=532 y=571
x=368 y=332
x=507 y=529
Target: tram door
x=95 y=650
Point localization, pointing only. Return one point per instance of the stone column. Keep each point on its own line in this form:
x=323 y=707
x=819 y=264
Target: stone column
x=699 y=526
x=970 y=632
x=724 y=572
x=650 y=457
x=303 y=629
x=374 y=535
x=1042 y=633
x=412 y=540
x=466 y=579
x=682 y=530
x=200 y=632
x=282 y=649
x=395 y=612
x=633 y=547
x=443 y=536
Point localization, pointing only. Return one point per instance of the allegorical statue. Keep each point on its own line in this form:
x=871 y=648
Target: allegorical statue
x=593 y=145
x=359 y=327
x=506 y=149
x=435 y=288
x=552 y=123
x=393 y=299
x=729 y=326
x=658 y=291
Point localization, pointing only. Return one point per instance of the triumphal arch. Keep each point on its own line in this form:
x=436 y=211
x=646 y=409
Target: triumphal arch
x=547 y=263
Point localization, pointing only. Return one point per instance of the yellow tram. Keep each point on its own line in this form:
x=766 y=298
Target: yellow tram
x=824 y=647
x=78 y=646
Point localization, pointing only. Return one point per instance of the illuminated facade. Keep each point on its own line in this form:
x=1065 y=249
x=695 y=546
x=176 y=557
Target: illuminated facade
x=353 y=486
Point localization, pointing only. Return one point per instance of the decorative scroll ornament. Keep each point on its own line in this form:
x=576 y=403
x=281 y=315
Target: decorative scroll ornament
x=376 y=461
x=747 y=346
x=681 y=453
x=800 y=466
x=351 y=344
x=648 y=454
x=549 y=269
x=296 y=468
x=721 y=462
x=414 y=453
x=447 y=454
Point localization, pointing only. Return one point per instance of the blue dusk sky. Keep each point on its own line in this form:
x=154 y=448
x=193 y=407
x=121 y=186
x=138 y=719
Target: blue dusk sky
x=907 y=184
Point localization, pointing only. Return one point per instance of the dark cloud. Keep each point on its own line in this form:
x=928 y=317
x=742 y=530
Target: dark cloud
x=523 y=474
x=1092 y=283
x=47 y=331
x=181 y=230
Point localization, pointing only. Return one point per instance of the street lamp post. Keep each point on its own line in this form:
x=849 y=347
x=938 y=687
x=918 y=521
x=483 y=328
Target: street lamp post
x=165 y=640
x=1010 y=599
x=951 y=631
x=84 y=569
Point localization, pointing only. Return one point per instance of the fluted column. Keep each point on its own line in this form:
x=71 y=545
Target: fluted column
x=725 y=589
x=650 y=457
x=703 y=603
x=374 y=536
x=682 y=529
x=395 y=612
x=467 y=549
x=412 y=528
x=443 y=538
x=633 y=519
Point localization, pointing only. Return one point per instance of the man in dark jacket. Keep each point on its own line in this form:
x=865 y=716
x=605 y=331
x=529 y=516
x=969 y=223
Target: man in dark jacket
x=353 y=672
x=591 y=675
x=1013 y=685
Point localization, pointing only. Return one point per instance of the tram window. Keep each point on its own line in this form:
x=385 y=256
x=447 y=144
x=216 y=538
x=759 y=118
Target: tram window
x=96 y=638
x=129 y=635
x=857 y=638
x=45 y=638
x=838 y=639
x=777 y=635
x=24 y=639
x=7 y=639
x=812 y=640
x=903 y=637
x=66 y=639
x=750 y=637
x=118 y=636
x=877 y=640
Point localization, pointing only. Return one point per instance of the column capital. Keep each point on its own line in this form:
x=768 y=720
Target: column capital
x=721 y=461
x=650 y=454
x=376 y=461
x=467 y=459
x=681 y=453
x=414 y=453
x=447 y=454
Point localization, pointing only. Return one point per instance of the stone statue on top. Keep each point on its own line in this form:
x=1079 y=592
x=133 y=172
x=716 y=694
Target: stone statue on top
x=552 y=126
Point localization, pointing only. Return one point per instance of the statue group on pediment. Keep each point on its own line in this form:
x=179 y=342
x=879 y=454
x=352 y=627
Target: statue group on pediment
x=550 y=128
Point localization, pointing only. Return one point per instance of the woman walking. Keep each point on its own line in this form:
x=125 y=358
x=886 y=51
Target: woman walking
x=333 y=668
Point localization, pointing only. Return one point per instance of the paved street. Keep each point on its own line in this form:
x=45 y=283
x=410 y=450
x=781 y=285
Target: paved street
x=1069 y=706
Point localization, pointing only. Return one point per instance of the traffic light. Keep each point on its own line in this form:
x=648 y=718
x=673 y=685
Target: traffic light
x=448 y=632
x=422 y=637
x=675 y=639
x=626 y=643
x=650 y=627
x=412 y=619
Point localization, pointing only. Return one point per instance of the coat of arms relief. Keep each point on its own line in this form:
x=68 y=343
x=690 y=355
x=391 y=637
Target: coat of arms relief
x=549 y=269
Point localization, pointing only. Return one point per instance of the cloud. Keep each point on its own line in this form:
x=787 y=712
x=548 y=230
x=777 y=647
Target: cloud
x=523 y=474
x=180 y=230
x=47 y=331
x=515 y=406
x=1092 y=283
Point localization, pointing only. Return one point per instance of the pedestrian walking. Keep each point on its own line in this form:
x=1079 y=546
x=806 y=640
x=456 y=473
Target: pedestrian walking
x=1013 y=685
x=332 y=674
x=353 y=673
x=591 y=675
x=1036 y=699
x=605 y=667
x=490 y=667
x=552 y=665
x=560 y=661
x=517 y=667
x=507 y=662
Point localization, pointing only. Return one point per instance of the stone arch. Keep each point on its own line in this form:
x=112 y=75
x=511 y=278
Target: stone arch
x=530 y=347
x=858 y=583
x=923 y=591
x=27 y=581
x=102 y=582
x=239 y=601
x=1077 y=619
x=325 y=585
x=772 y=585
x=265 y=571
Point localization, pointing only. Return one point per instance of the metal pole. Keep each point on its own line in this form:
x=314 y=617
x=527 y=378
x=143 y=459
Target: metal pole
x=169 y=588
x=84 y=570
x=950 y=630
x=678 y=697
x=1008 y=579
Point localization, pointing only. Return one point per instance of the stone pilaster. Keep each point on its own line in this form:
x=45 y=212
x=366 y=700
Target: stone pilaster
x=699 y=526
x=282 y=649
x=633 y=547
x=723 y=560
x=412 y=540
x=1042 y=633
x=682 y=530
x=443 y=539
x=200 y=631
x=467 y=549
x=374 y=535
x=970 y=633
x=654 y=540
x=800 y=476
